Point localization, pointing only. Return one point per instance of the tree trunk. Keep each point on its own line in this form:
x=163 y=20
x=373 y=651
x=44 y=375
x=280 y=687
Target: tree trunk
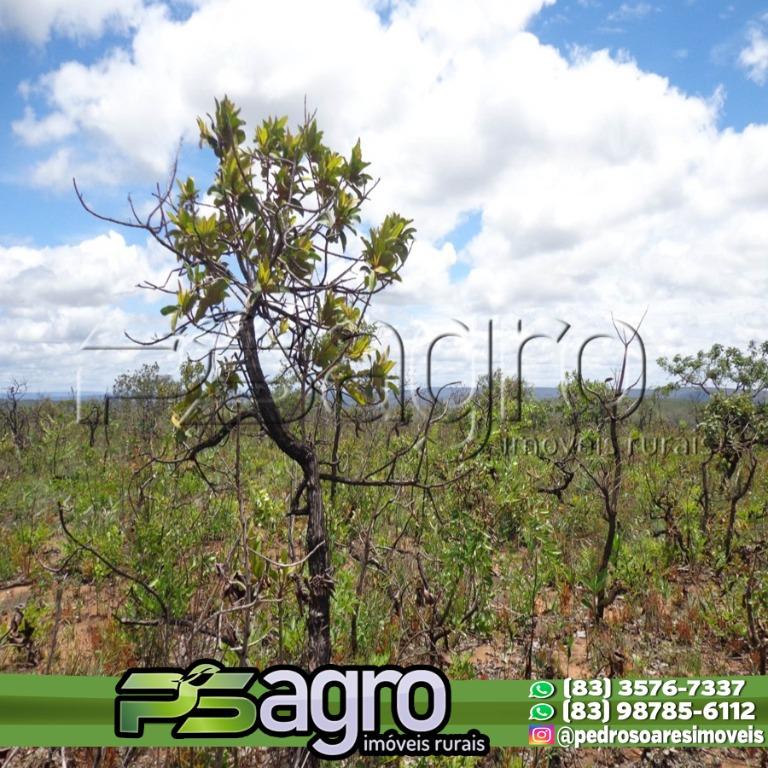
x=705 y=501
x=320 y=582
x=612 y=495
x=337 y=424
x=736 y=496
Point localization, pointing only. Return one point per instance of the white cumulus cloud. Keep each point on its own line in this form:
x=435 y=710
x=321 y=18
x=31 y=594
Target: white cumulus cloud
x=53 y=298
x=754 y=57
x=37 y=19
x=600 y=186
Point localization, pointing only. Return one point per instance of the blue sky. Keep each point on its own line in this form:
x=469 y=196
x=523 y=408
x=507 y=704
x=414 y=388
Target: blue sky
x=696 y=44
x=561 y=159
x=695 y=48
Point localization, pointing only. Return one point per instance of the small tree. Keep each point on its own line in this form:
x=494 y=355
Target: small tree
x=143 y=396
x=93 y=420
x=593 y=411
x=734 y=421
x=13 y=414
x=270 y=266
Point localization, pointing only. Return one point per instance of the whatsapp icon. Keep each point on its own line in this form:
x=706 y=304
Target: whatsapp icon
x=541 y=689
x=542 y=712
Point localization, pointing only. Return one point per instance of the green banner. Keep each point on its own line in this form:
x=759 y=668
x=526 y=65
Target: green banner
x=82 y=712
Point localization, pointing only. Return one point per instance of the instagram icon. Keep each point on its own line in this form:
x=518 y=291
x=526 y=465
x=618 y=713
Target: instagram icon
x=541 y=735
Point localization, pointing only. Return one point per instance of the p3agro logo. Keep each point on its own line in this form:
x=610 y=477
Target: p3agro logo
x=209 y=700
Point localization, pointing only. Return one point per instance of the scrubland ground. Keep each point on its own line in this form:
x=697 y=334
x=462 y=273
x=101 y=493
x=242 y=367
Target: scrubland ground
x=115 y=555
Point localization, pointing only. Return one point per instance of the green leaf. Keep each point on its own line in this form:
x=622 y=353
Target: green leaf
x=214 y=294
